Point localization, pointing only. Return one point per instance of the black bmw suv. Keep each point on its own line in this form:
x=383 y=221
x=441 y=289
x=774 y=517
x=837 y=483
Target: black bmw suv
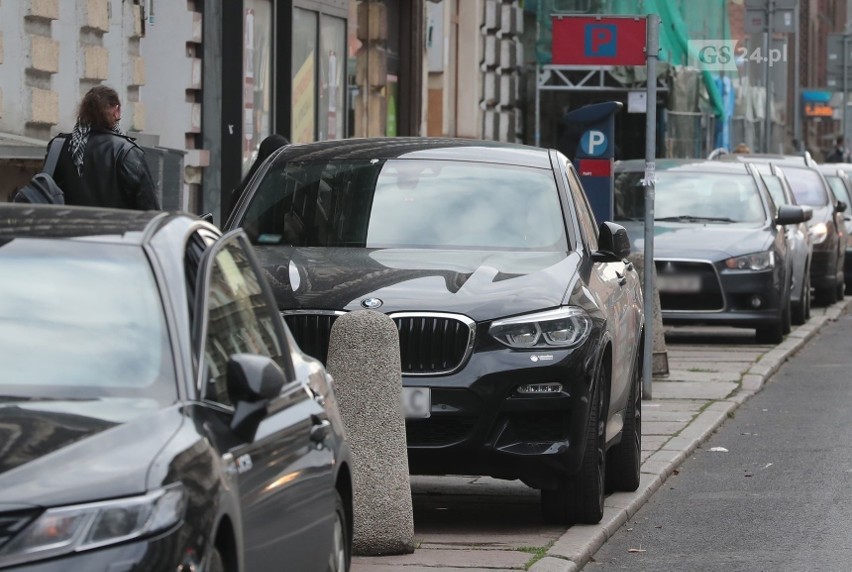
x=520 y=321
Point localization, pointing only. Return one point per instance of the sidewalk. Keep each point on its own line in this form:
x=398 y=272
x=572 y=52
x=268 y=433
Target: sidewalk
x=472 y=524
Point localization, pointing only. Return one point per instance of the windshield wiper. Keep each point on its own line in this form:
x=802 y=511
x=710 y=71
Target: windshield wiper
x=692 y=218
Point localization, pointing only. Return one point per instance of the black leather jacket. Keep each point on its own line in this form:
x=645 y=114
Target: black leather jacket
x=115 y=174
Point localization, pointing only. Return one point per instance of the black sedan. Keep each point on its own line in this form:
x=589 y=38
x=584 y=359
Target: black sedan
x=155 y=413
x=520 y=320
x=720 y=249
x=826 y=226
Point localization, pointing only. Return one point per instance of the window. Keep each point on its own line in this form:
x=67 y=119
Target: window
x=239 y=320
x=584 y=211
x=407 y=203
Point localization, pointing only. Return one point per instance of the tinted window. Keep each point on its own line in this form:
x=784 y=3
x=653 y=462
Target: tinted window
x=838 y=187
x=81 y=320
x=407 y=203
x=239 y=319
x=723 y=196
x=807 y=186
x=776 y=189
x=584 y=212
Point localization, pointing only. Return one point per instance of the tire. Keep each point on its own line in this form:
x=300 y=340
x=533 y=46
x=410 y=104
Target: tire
x=841 y=290
x=580 y=500
x=623 y=463
x=216 y=564
x=341 y=550
x=786 y=318
x=800 y=312
x=770 y=334
x=826 y=296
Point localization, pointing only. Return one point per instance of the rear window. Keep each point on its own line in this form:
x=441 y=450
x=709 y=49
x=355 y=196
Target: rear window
x=81 y=320
x=721 y=197
x=407 y=203
x=807 y=186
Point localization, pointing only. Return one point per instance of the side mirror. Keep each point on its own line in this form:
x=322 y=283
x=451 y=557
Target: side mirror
x=841 y=206
x=253 y=381
x=613 y=243
x=793 y=214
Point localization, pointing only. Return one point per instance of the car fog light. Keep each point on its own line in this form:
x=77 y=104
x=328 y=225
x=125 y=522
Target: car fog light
x=756 y=301
x=540 y=388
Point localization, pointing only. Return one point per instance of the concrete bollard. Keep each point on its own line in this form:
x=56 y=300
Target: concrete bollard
x=363 y=358
x=659 y=354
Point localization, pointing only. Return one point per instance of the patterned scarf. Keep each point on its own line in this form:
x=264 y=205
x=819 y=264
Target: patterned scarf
x=79 y=138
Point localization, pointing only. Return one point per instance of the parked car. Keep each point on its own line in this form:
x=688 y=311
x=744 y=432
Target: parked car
x=518 y=316
x=155 y=413
x=720 y=249
x=799 y=242
x=838 y=177
x=812 y=190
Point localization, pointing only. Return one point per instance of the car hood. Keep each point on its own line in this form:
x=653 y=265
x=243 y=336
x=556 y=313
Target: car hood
x=55 y=452
x=702 y=241
x=483 y=285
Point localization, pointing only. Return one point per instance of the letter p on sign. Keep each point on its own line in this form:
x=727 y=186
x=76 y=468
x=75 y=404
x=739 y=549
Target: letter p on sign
x=600 y=40
x=593 y=142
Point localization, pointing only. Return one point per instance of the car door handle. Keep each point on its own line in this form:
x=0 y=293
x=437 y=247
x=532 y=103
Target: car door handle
x=320 y=430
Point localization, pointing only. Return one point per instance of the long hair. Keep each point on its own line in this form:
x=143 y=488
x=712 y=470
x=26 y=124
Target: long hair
x=94 y=109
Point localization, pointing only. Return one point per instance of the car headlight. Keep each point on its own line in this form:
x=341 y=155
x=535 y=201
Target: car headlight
x=819 y=232
x=755 y=261
x=81 y=527
x=562 y=328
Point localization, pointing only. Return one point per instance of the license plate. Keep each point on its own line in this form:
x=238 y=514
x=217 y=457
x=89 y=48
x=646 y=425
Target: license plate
x=686 y=283
x=417 y=402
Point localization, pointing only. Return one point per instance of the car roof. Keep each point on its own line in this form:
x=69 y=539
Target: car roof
x=61 y=222
x=707 y=165
x=432 y=148
x=799 y=161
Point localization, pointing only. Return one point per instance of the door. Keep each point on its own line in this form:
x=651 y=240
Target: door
x=285 y=479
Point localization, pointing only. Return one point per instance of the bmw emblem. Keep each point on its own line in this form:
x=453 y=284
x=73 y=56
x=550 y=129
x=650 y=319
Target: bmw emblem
x=371 y=303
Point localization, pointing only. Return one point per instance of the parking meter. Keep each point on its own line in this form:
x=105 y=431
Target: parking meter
x=595 y=154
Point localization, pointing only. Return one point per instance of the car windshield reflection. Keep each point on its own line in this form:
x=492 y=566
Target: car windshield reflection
x=691 y=197
x=407 y=203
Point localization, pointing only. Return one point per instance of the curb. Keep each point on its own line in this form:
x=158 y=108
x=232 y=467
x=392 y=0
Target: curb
x=578 y=544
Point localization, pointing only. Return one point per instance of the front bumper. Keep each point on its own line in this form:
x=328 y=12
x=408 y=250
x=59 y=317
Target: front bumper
x=480 y=425
x=824 y=268
x=748 y=299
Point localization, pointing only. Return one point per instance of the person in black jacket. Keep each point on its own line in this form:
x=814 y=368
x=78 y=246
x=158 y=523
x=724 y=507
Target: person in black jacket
x=101 y=166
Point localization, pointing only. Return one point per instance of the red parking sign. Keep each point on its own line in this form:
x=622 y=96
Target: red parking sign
x=604 y=40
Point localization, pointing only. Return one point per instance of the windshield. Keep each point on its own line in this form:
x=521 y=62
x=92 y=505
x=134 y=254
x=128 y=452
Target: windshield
x=81 y=321
x=690 y=196
x=407 y=203
x=807 y=186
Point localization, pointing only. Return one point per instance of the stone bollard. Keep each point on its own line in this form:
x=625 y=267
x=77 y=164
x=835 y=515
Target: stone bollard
x=659 y=354
x=363 y=358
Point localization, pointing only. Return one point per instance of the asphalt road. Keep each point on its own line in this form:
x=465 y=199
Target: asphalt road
x=778 y=497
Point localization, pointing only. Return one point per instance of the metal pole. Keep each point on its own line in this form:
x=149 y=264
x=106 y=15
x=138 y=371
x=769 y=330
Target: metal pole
x=537 y=106
x=767 y=44
x=843 y=62
x=797 y=87
x=653 y=24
